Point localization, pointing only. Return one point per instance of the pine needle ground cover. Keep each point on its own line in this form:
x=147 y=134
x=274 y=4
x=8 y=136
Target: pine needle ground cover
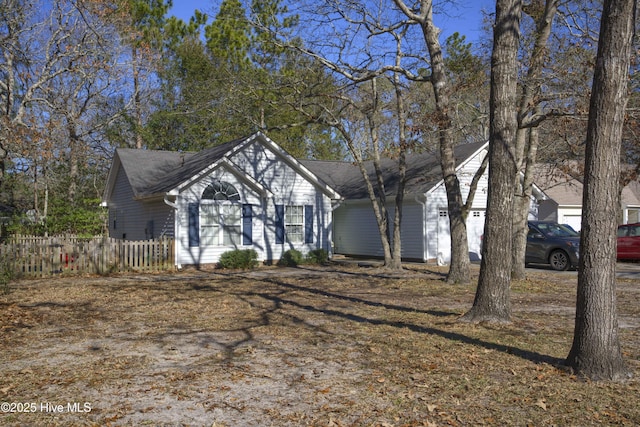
x=320 y=346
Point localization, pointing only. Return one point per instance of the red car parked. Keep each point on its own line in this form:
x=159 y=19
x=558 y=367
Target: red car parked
x=629 y=241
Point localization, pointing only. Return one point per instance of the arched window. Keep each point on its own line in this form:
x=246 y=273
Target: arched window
x=221 y=190
x=220 y=215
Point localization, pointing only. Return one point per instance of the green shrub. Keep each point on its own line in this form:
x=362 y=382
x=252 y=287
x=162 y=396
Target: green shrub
x=317 y=256
x=239 y=258
x=291 y=258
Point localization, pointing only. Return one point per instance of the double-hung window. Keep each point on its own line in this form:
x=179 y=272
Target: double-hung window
x=294 y=223
x=209 y=224
x=231 y=219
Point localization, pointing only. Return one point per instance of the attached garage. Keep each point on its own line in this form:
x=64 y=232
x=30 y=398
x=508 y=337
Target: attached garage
x=425 y=222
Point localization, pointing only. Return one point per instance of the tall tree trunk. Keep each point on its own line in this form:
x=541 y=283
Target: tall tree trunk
x=396 y=253
x=529 y=116
x=137 y=104
x=522 y=205
x=379 y=211
x=402 y=170
x=383 y=223
x=74 y=163
x=595 y=352
x=3 y=159
x=492 y=300
x=460 y=263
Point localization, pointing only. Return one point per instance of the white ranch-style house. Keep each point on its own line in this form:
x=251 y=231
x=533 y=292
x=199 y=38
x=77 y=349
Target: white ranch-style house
x=245 y=194
x=250 y=193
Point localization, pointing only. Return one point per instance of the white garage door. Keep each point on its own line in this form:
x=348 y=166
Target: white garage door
x=575 y=221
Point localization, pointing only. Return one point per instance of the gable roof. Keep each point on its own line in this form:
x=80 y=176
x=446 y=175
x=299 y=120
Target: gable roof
x=557 y=185
x=631 y=194
x=154 y=173
x=423 y=172
x=566 y=189
x=191 y=166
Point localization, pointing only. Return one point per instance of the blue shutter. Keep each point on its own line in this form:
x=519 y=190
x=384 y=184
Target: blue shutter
x=308 y=223
x=247 y=232
x=279 y=224
x=194 y=224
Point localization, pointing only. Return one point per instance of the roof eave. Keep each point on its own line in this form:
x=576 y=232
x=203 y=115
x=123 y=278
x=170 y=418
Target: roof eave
x=111 y=178
x=151 y=197
x=224 y=161
x=460 y=165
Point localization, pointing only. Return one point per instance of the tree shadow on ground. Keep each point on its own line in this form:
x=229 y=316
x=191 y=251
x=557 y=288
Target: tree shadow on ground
x=286 y=297
x=377 y=271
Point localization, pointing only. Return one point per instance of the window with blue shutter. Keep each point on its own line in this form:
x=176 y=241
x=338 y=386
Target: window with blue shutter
x=279 y=224
x=194 y=224
x=308 y=223
x=247 y=231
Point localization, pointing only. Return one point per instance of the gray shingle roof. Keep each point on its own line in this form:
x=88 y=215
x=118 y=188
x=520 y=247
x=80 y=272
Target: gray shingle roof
x=152 y=172
x=423 y=172
x=566 y=189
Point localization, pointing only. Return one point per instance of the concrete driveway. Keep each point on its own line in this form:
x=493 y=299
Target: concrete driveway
x=628 y=270
x=624 y=270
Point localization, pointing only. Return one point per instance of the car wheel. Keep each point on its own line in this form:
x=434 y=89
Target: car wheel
x=559 y=260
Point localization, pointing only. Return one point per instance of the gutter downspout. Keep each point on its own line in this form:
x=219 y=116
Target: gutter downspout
x=421 y=199
x=333 y=208
x=176 y=225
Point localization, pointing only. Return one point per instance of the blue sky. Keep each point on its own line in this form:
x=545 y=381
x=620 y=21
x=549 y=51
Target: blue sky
x=465 y=19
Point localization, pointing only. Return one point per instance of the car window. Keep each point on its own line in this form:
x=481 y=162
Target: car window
x=634 y=231
x=622 y=231
x=556 y=230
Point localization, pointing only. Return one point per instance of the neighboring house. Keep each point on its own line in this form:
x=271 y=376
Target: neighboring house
x=248 y=193
x=425 y=222
x=564 y=198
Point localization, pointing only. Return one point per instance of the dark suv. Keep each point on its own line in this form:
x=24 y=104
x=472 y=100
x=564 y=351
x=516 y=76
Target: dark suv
x=551 y=243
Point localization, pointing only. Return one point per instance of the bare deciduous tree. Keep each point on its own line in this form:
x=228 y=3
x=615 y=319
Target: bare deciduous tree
x=530 y=115
x=359 y=114
x=34 y=53
x=374 y=58
x=460 y=263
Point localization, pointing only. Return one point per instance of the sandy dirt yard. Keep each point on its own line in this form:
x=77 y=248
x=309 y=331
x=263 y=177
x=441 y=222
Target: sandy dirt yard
x=337 y=345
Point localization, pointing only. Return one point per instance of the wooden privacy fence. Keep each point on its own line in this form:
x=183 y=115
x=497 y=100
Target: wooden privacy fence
x=32 y=256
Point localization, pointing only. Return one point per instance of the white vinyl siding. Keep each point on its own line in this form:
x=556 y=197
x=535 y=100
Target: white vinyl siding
x=286 y=187
x=132 y=219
